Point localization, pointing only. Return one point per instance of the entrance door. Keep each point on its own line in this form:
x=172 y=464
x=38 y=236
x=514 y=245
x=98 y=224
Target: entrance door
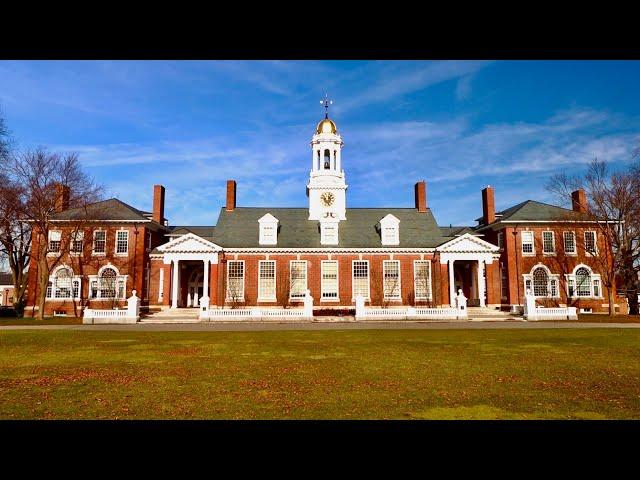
x=195 y=289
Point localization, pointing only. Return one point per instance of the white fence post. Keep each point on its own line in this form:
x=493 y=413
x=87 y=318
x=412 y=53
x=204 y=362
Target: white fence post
x=530 y=306
x=87 y=317
x=461 y=305
x=308 y=305
x=133 y=308
x=572 y=313
x=204 y=307
x=361 y=313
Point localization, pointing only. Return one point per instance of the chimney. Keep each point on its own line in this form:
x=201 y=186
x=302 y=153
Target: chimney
x=421 y=196
x=158 y=204
x=488 y=205
x=231 y=195
x=579 y=201
x=62 y=198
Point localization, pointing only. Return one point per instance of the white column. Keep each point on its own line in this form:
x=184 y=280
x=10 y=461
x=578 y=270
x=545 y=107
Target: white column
x=174 y=283
x=451 y=285
x=481 y=282
x=205 y=286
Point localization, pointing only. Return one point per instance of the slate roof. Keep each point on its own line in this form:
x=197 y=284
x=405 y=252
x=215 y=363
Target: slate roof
x=6 y=279
x=202 y=231
x=531 y=210
x=455 y=231
x=112 y=209
x=239 y=228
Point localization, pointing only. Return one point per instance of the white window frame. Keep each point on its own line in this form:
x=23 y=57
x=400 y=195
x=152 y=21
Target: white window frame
x=75 y=285
x=354 y=282
x=553 y=282
x=390 y=230
x=54 y=236
x=573 y=284
x=324 y=291
x=115 y=247
x=553 y=243
x=595 y=243
x=298 y=295
x=532 y=242
x=120 y=286
x=77 y=236
x=244 y=272
x=268 y=230
x=572 y=234
x=263 y=295
x=325 y=237
x=429 y=295
x=394 y=296
x=93 y=246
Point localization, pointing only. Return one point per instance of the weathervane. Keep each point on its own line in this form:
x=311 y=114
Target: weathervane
x=326 y=102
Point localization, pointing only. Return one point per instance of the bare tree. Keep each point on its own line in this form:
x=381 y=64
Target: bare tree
x=283 y=288
x=40 y=176
x=613 y=205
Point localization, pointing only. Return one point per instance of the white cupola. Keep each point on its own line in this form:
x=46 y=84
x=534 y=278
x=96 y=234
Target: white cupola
x=327 y=187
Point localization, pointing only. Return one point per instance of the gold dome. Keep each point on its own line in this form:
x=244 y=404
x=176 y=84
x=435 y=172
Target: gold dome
x=326 y=126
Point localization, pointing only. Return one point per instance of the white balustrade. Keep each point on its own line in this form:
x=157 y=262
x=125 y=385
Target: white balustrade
x=130 y=315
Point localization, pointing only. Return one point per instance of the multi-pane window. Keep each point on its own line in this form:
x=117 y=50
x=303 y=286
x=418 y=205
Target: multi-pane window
x=583 y=282
x=108 y=284
x=298 y=278
x=527 y=243
x=267 y=280
x=422 y=279
x=501 y=240
x=548 y=244
x=391 y=279
x=504 y=282
x=235 y=280
x=360 y=280
x=55 y=237
x=569 y=243
x=268 y=234
x=99 y=241
x=390 y=236
x=77 y=240
x=62 y=284
x=122 y=242
x=329 y=279
x=541 y=283
x=590 y=242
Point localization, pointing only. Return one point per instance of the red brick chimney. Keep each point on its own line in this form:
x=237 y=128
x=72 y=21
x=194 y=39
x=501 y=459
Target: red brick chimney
x=231 y=195
x=420 y=191
x=158 y=204
x=62 y=198
x=579 y=201
x=488 y=205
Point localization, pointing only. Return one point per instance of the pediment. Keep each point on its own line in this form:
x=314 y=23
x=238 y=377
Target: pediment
x=468 y=243
x=268 y=218
x=189 y=243
x=390 y=219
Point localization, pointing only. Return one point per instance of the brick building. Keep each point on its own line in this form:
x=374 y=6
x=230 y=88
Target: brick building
x=6 y=290
x=269 y=256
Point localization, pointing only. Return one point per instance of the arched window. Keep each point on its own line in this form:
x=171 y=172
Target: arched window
x=108 y=284
x=583 y=282
x=63 y=284
x=327 y=159
x=540 y=282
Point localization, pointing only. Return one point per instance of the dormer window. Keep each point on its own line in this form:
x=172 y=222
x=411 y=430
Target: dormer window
x=268 y=230
x=390 y=230
x=329 y=233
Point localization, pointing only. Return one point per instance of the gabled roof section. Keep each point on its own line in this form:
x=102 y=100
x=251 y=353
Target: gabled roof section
x=236 y=229
x=533 y=211
x=205 y=232
x=189 y=243
x=468 y=243
x=454 y=231
x=268 y=218
x=107 y=210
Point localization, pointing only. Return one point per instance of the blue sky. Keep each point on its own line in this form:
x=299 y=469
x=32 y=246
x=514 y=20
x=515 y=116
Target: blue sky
x=459 y=125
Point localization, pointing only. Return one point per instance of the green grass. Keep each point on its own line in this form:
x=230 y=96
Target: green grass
x=396 y=374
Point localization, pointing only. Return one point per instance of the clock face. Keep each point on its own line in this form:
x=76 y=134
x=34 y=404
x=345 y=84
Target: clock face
x=327 y=199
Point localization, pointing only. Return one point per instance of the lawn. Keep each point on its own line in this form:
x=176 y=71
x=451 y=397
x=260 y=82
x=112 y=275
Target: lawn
x=396 y=374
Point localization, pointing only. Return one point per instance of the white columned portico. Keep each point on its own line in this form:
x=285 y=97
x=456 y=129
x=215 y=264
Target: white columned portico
x=175 y=279
x=451 y=285
x=480 y=282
